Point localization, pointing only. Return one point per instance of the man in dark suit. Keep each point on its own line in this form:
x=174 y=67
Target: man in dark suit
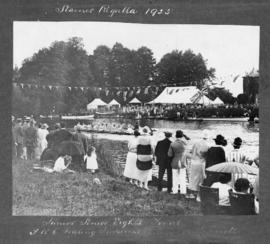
x=163 y=161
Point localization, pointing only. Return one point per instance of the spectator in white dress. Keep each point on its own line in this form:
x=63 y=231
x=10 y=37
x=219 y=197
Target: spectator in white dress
x=197 y=166
x=131 y=170
x=91 y=160
x=61 y=164
x=223 y=186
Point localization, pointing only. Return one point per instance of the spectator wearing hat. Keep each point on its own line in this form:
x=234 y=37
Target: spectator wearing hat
x=215 y=155
x=18 y=137
x=197 y=165
x=176 y=153
x=163 y=161
x=42 y=132
x=31 y=140
x=236 y=154
x=25 y=126
x=131 y=170
x=145 y=151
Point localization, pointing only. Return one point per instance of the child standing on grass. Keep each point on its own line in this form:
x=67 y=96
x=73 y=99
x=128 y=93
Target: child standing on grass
x=91 y=160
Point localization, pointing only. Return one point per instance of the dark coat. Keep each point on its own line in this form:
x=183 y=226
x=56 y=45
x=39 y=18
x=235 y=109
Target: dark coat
x=161 y=152
x=56 y=137
x=215 y=155
x=82 y=139
x=31 y=137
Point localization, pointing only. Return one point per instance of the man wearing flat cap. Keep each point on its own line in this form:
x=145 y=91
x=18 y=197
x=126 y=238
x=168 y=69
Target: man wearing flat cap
x=163 y=161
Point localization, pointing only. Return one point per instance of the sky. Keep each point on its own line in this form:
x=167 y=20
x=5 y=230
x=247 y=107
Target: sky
x=231 y=49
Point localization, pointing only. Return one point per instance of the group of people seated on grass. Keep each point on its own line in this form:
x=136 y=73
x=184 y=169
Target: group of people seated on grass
x=56 y=150
x=63 y=162
x=186 y=169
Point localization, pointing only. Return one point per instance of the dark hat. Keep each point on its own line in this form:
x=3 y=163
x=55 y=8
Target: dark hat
x=237 y=141
x=136 y=133
x=220 y=140
x=167 y=133
x=146 y=130
x=179 y=134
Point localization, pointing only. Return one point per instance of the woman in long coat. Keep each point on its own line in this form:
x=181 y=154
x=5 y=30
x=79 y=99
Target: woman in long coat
x=197 y=165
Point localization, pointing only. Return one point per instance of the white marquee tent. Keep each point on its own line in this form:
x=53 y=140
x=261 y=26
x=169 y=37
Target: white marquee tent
x=97 y=102
x=135 y=101
x=114 y=103
x=217 y=101
x=205 y=101
x=176 y=95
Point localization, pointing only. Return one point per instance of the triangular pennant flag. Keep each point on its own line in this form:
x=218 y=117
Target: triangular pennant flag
x=98 y=91
x=69 y=88
x=107 y=92
x=235 y=78
x=146 y=90
x=82 y=88
x=50 y=87
x=130 y=93
x=22 y=85
x=138 y=91
x=156 y=91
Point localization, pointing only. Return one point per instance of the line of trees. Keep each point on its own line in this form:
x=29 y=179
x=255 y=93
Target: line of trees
x=68 y=64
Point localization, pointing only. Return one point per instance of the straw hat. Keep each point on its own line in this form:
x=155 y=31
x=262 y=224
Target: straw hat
x=146 y=130
x=205 y=134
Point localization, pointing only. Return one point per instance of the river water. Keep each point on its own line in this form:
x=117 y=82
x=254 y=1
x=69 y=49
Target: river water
x=248 y=132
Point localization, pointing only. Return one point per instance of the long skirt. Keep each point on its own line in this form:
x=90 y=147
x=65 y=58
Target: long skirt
x=144 y=175
x=196 y=176
x=131 y=170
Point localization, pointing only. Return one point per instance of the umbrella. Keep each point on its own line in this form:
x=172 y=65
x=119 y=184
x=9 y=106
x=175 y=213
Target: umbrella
x=71 y=148
x=232 y=167
x=61 y=135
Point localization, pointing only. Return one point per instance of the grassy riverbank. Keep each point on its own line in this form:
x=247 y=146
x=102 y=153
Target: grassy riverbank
x=41 y=193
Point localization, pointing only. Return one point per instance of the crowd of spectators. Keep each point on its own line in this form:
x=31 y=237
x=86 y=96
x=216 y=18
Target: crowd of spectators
x=183 y=112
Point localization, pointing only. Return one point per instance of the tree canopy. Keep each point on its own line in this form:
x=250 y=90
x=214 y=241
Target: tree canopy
x=184 y=67
x=67 y=64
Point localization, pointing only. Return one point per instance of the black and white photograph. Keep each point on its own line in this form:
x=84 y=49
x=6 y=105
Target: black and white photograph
x=131 y=119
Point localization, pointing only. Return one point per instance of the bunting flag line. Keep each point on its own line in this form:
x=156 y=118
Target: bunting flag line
x=128 y=88
x=235 y=78
x=125 y=92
